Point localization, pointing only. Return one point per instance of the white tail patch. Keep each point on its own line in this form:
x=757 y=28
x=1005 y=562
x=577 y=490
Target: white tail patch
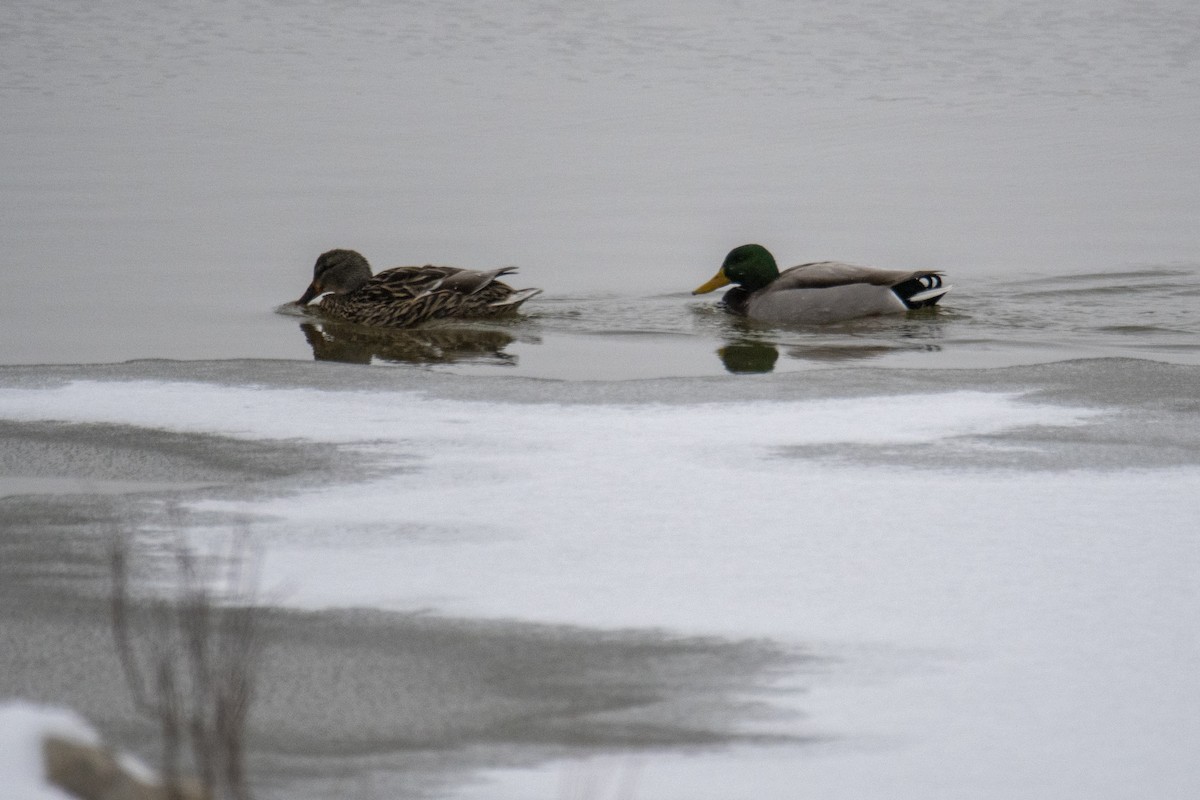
x=929 y=294
x=516 y=298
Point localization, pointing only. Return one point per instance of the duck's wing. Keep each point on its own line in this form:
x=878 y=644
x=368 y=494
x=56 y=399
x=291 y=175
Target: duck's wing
x=406 y=282
x=915 y=288
x=470 y=281
x=824 y=274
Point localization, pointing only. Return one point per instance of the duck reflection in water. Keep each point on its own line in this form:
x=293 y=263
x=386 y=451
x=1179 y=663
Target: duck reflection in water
x=748 y=357
x=744 y=354
x=358 y=344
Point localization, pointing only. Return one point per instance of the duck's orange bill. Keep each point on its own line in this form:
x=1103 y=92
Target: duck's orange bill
x=717 y=282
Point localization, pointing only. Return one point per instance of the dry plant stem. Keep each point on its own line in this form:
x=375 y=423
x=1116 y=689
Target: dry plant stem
x=194 y=620
x=121 y=626
x=168 y=715
x=203 y=655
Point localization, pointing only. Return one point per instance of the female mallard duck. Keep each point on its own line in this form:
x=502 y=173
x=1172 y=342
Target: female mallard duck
x=824 y=291
x=402 y=297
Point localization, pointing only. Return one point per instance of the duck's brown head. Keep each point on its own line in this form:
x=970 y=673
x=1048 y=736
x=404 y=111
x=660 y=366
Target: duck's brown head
x=337 y=271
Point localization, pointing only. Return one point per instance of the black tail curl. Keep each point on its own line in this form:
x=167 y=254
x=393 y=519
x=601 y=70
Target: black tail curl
x=917 y=292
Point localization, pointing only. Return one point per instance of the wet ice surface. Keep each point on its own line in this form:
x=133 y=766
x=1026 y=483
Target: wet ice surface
x=975 y=558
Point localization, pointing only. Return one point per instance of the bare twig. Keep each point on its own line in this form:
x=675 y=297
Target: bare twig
x=203 y=654
x=121 y=625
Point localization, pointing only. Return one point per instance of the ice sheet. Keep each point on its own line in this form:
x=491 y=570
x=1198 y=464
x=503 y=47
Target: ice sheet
x=1000 y=630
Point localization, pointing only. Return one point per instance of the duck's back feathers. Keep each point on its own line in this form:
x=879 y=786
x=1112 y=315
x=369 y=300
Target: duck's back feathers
x=401 y=282
x=402 y=297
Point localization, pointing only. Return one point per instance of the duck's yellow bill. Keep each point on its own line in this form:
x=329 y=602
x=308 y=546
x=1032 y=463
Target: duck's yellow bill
x=717 y=282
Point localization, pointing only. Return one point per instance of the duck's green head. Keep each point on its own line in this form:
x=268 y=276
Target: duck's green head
x=751 y=266
x=337 y=271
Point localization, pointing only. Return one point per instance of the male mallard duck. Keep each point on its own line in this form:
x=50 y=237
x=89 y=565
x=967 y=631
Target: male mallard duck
x=402 y=297
x=824 y=291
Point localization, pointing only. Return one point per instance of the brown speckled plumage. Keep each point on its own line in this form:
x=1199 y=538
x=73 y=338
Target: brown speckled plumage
x=404 y=297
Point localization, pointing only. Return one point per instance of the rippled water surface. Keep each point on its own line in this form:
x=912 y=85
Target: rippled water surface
x=1143 y=313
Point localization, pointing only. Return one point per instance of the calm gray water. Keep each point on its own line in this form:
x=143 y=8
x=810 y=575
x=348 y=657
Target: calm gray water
x=170 y=172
